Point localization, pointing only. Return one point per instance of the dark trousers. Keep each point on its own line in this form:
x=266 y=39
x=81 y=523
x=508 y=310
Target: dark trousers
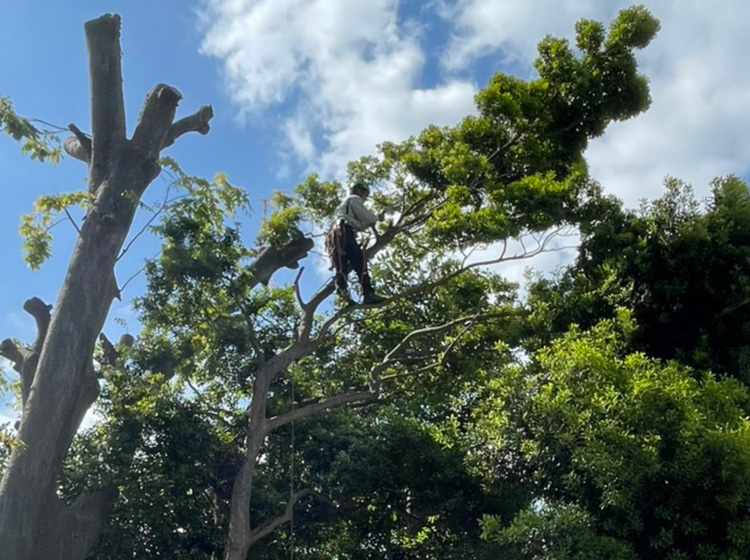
x=346 y=255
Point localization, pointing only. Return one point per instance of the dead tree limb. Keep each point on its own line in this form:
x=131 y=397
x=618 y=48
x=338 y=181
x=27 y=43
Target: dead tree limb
x=271 y=259
x=79 y=145
x=62 y=383
x=197 y=122
x=41 y=313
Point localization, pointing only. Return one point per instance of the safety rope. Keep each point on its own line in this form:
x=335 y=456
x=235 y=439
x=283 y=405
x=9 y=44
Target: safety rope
x=291 y=486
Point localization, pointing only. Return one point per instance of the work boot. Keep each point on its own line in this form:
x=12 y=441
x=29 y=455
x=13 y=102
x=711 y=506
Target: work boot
x=371 y=298
x=368 y=293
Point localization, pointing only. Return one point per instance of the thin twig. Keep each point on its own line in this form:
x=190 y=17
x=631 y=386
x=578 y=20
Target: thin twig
x=57 y=223
x=148 y=223
x=137 y=273
x=72 y=221
x=392 y=356
x=59 y=128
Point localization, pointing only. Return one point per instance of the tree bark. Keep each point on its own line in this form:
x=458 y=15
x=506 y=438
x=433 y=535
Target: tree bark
x=34 y=523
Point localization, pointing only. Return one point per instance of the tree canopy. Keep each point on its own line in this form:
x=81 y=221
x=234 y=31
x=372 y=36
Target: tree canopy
x=602 y=413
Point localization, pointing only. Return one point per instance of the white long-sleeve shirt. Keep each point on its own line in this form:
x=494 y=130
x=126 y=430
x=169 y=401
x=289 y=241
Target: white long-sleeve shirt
x=354 y=212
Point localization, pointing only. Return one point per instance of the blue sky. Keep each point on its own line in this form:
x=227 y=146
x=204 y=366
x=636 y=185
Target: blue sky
x=302 y=86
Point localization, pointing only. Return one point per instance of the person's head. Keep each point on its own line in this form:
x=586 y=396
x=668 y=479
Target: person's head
x=360 y=189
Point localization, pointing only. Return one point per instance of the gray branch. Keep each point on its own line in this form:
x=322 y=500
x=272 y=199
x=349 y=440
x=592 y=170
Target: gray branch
x=109 y=352
x=392 y=356
x=41 y=313
x=270 y=526
x=107 y=107
x=314 y=408
x=78 y=146
x=156 y=119
x=271 y=259
x=10 y=351
x=197 y=122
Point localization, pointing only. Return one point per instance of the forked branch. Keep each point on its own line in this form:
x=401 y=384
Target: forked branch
x=156 y=119
x=314 y=408
x=270 y=526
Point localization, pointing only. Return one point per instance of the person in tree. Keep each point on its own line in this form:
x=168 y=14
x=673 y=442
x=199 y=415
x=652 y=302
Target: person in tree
x=350 y=217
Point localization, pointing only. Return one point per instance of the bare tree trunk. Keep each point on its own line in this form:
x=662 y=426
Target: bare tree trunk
x=239 y=534
x=34 y=523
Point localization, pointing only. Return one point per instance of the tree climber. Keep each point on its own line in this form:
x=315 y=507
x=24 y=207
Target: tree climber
x=350 y=217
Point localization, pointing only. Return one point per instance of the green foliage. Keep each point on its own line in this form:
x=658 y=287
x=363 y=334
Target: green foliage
x=39 y=144
x=514 y=168
x=633 y=27
x=207 y=202
x=683 y=269
x=35 y=227
x=385 y=482
x=282 y=225
x=653 y=454
x=317 y=198
x=168 y=462
x=467 y=425
x=563 y=533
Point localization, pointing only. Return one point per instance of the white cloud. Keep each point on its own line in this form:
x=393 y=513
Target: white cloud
x=697 y=126
x=513 y=29
x=700 y=81
x=349 y=70
x=348 y=74
x=300 y=139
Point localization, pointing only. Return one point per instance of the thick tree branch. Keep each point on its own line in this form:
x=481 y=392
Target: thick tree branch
x=109 y=352
x=10 y=351
x=270 y=526
x=197 y=122
x=78 y=526
x=107 y=107
x=41 y=313
x=297 y=291
x=311 y=307
x=59 y=382
x=271 y=259
x=327 y=289
x=78 y=146
x=155 y=120
x=308 y=317
x=314 y=408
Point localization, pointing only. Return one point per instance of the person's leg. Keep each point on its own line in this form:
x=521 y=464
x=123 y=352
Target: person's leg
x=335 y=245
x=359 y=264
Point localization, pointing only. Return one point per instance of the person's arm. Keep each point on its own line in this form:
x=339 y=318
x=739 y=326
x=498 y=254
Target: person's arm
x=361 y=213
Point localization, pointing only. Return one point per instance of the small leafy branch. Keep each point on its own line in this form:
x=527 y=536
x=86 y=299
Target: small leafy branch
x=35 y=227
x=39 y=144
x=209 y=201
